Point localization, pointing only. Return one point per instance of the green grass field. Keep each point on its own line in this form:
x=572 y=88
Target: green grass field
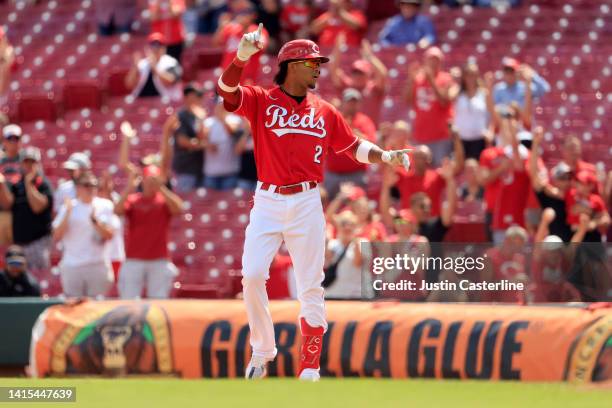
x=346 y=393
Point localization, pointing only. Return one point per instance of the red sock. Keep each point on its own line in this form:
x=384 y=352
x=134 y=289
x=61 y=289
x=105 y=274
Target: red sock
x=312 y=342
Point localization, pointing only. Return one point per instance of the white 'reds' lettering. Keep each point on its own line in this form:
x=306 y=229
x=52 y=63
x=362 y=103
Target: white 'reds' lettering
x=318 y=153
x=294 y=124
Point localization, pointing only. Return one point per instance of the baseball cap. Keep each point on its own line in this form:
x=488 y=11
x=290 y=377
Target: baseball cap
x=434 y=52
x=31 y=153
x=508 y=62
x=351 y=94
x=552 y=243
x=192 y=88
x=408 y=216
x=362 y=66
x=11 y=130
x=151 y=171
x=560 y=170
x=15 y=256
x=156 y=38
x=77 y=161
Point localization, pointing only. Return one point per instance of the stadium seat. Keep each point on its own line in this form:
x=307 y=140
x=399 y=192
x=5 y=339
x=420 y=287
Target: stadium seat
x=82 y=94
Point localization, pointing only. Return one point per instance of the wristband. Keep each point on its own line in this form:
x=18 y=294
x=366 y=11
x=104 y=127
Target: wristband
x=226 y=88
x=363 y=151
x=386 y=157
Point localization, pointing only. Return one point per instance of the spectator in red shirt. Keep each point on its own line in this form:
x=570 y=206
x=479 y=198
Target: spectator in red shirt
x=507 y=261
x=342 y=18
x=493 y=163
x=423 y=177
x=230 y=33
x=368 y=75
x=167 y=20
x=572 y=156
x=514 y=183
x=148 y=215
x=340 y=167
x=295 y=19
x=430 y=91
x=583 y=199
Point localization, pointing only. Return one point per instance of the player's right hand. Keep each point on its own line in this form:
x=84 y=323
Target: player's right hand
x=250 y=44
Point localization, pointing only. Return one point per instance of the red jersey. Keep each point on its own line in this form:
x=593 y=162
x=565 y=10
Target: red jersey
x=168 y=26
x=335 y=26
x=148 y=227
x=342 y=163
x=432 y=118
x=513 y=196
x=292 y=139
x=490 y=158
x=431 y=183
x=294 y=18
x=573 y=203
x=231 y=35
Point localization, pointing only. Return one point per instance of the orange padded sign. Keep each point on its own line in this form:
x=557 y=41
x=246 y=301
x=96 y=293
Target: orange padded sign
x=198 y=338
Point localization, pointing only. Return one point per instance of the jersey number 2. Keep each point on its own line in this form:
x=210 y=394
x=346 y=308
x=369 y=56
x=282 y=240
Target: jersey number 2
x=318 y=153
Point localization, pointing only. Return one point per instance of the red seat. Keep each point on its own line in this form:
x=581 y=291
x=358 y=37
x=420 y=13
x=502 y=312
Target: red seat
x=82 y=94
x=115 y=84
x=41 y=107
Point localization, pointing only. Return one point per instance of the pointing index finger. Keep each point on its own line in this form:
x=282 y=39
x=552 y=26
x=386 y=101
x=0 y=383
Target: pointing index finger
x=259 y=30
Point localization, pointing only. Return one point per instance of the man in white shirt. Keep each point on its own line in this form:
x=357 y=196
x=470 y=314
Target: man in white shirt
x=221 y=163
x=85 y=227
x=157 y=74
x=76 y=164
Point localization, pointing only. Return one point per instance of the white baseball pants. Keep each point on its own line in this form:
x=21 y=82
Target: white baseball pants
x=298 y=220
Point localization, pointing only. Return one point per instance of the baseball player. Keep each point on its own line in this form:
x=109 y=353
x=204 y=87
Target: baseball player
x=292 y=132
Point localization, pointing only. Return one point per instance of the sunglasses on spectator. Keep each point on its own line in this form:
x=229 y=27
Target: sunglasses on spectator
x=89 y=185
x=13 y=138
x=313 y=64
x=346 y=224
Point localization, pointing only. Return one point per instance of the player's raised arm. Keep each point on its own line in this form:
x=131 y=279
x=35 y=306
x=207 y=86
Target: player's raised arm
x=227 y=86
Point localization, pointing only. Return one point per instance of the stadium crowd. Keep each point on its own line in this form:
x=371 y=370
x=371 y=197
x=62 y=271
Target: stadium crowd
x=474 y=138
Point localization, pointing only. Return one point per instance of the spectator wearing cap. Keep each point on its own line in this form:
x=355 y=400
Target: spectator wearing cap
x=550 y=191
x=85 y=226
x=512 y=89
x=167 y=20
x=339 y=167
x=7 y=60
x=408 y=27
x=30 y=201
x=221 y=161
x=115 y=16
x=148 y=214
x=344 y=260
x=76 y=164
x=368 y=75
x=15 y=280
x=507 y=261
x=342 y=18
x=430 y=91
x=157 y=74
x=473 y=112
x=12 y=150
x=422 y=177
x=189 y=141
x=230 y=32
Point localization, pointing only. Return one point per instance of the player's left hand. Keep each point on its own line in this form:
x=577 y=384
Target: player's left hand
x=397 y=158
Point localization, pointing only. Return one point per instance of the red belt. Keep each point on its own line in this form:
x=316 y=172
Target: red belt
x=289 y=190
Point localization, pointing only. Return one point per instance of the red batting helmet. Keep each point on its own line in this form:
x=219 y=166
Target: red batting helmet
x=300 y=50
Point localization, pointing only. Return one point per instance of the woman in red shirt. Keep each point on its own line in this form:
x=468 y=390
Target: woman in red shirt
x=166 y=19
